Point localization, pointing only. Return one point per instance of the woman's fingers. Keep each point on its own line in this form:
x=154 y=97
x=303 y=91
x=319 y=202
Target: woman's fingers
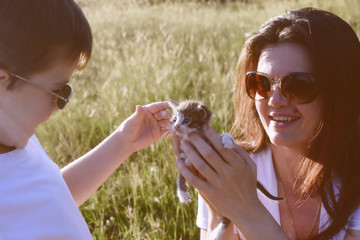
x=176 y=144
x=205 y=152
x=229 y=155
x=191 y=177
x=245 y=156
x=221 y=156
x=191 y=167
x=198 y=161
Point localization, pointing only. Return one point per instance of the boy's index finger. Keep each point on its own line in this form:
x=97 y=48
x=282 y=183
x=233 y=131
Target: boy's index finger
x=157 y=106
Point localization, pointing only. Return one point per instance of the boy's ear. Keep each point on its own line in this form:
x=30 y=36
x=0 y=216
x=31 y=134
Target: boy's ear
x=4 y=75
x=4 y=79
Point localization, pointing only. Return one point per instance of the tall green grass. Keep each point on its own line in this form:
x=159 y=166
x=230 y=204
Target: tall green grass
x=147 y=52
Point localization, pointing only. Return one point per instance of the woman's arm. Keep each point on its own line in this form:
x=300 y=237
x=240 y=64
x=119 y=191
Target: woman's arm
x=228 y=235
x=229 y=184
x=209 y=216
x=147 y=125
x=352 y=235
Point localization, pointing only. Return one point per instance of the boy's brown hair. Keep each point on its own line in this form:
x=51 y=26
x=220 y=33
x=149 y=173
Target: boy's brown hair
x=35 y=33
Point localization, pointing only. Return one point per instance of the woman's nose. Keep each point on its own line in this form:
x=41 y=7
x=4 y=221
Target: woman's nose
x=276 y=100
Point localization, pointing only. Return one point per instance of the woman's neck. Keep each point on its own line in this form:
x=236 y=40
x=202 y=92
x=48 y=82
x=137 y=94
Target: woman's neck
x=286 y=161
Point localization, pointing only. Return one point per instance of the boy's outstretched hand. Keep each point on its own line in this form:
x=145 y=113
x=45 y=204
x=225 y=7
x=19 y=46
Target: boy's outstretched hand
x=148 y=124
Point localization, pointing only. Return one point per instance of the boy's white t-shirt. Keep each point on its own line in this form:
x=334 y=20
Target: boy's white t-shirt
x=35 y=202
x=266 y=176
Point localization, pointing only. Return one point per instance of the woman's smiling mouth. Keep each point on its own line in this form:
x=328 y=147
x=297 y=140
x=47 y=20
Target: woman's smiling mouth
x=283 y=118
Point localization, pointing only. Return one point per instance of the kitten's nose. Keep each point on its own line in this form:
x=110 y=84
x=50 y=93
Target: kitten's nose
x=177 y=127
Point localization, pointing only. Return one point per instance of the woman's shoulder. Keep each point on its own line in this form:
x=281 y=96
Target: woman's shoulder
x=354 y=221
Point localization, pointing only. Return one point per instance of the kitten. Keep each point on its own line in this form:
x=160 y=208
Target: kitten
x=189 y=116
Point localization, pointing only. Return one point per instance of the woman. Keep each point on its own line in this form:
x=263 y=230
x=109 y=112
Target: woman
x=300 y=130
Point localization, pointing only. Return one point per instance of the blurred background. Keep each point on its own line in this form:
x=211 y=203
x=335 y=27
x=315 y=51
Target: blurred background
x=155 y=50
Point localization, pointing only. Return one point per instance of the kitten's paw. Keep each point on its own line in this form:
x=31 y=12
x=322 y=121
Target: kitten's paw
x=218 y=232
x=228 y=140
x=215 y=235
x=184 y=197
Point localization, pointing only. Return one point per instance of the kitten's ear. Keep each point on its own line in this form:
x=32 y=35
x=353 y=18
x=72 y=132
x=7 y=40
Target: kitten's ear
x=206 y=114
x=173 y=104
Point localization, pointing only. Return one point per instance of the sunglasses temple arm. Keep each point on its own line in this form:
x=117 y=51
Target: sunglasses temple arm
x=35 y=85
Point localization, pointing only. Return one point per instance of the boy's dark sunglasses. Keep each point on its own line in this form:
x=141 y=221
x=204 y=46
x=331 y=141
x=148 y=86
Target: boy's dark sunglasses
x=296 y=87
x=62 y=95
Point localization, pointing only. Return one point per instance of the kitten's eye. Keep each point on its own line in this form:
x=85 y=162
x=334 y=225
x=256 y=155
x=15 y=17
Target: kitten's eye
x=173 y=119
x=186 y=120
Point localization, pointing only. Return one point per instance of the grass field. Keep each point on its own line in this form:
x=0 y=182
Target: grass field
x=150 y=52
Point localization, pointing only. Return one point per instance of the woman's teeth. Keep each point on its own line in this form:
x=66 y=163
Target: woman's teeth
x=284 y=119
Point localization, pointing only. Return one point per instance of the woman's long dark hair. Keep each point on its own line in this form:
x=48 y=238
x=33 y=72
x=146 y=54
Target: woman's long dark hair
x=334 y=155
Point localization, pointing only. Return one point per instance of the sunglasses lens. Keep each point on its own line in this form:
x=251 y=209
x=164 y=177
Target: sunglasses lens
x=257 y=84
x=298 y=88
x=65 y=92
x=295 y=87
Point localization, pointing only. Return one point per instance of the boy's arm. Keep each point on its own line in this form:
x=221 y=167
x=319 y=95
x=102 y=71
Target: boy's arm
x=85 y=175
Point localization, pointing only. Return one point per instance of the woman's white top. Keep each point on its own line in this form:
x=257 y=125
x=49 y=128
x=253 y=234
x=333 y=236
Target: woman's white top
x=266 y=176
x=35 y=202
